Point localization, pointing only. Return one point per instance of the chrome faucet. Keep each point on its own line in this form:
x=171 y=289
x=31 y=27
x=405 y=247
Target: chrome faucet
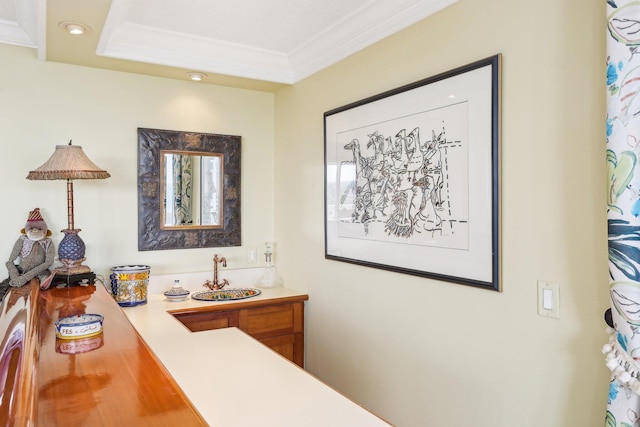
x=215 y=285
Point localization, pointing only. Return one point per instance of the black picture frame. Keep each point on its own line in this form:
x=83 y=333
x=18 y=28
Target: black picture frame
x=412 y=178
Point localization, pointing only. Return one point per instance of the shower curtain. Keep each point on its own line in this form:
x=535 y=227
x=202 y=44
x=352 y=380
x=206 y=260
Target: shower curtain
x=622 y=149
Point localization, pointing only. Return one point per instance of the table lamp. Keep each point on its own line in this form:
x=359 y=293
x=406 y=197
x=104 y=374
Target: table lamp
x=69 y=162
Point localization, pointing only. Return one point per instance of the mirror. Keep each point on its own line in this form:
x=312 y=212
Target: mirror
x=188 y=190
x=191 y=189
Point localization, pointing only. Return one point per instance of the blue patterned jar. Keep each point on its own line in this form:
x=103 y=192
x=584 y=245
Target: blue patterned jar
x=129 y=284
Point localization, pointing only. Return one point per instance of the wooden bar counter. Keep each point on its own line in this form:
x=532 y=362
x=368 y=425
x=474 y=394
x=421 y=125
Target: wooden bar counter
x=110 y=379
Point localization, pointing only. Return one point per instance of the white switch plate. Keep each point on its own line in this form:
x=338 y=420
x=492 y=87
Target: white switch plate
x=548 y=299
x=252 y=255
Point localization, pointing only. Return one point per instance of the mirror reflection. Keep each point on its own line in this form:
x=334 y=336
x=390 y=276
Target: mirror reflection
x=191 y=189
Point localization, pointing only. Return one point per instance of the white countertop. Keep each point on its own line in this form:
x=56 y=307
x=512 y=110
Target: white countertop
x=234 y=380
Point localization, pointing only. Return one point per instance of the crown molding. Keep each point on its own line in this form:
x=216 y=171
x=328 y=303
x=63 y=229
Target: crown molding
x=354 y=32
x=12 y=33
x=134 y=42
x=29 y=27
x=156 y=46
x=349 y=36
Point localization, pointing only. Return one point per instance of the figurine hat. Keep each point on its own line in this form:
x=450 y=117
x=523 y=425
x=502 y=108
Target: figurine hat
x=35 y=220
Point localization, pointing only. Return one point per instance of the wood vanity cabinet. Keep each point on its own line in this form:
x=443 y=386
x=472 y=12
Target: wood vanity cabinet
x=278 y=323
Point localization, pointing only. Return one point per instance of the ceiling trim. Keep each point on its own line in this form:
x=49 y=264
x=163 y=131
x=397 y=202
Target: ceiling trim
x=29 y=28
x=40 y=27
x=156 y=46
x=352 y=33
x=12 y=33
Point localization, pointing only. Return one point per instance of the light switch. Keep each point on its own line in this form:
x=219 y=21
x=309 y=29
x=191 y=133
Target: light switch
x=252 y=254
x=548 y=299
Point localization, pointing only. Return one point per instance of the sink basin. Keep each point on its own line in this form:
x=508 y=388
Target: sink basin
x=225 y=294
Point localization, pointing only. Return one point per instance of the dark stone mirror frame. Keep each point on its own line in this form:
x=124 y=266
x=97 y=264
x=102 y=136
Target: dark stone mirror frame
x=151 y=142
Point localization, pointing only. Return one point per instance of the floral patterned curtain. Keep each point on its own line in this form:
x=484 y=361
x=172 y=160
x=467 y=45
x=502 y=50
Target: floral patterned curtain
x=179 y=190
x=623 y=147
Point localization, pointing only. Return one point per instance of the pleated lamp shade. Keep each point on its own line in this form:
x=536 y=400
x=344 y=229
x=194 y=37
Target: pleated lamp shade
x=68 y=162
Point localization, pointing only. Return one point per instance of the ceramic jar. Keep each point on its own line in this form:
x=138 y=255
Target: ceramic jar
x=129 y=284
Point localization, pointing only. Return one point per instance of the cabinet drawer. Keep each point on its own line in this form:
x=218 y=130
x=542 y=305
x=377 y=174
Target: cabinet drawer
x=206 y=321
x=272 y=321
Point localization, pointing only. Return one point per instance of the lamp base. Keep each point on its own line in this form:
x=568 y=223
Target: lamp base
x=67 y=269
x=72 y=272
x=71 y=248
x=74 y=278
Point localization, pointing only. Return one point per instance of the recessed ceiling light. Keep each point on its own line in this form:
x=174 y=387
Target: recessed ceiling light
x=74 y=28
x=195 y=76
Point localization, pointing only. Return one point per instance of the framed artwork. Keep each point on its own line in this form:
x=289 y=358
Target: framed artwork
x=412 y=178
x=188 y=190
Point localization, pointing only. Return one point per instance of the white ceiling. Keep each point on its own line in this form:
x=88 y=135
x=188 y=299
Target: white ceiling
x=276 y=41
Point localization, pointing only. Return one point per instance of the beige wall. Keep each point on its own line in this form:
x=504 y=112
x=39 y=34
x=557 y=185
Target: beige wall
x=44 y=104
x=418 y=352
x=427 y=353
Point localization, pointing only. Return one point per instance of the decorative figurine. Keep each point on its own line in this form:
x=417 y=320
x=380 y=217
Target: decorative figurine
x=35 y=253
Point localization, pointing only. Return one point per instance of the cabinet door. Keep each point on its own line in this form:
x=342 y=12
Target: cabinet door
x=272 y=321
x=290 y=346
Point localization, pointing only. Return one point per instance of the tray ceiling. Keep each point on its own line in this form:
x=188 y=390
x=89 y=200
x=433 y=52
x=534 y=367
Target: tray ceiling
x=276 y=42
